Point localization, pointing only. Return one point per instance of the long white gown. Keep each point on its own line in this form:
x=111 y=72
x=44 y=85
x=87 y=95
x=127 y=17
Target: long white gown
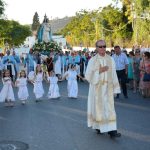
x=103 y=86
x=53 y=88
x=38 y=86
x=7 y=90
x=57 y=66
x=72 y=86
x=23 y=90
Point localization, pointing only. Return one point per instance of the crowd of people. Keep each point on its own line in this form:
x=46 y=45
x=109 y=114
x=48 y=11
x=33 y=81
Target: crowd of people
x=71 y=65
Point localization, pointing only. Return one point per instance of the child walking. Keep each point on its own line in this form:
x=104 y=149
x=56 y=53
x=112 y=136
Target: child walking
x=7 y=94
x=37 y=82
x=21 y=83
x=53 y=88
x=72 y=85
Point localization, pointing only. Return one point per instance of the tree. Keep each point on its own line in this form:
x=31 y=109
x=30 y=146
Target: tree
x=2 y=5
x=138 y=12
x=117 y=25
x=116 y=29
x=13 y=33
x=80 y=29
x=88 y=26
x=3 y=32
x=18 y=33
x=36 y=22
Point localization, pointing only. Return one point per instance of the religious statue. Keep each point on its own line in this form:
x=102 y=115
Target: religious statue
x=44 y=33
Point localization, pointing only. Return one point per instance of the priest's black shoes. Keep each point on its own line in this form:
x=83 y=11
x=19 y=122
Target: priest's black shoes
x=98 y=131
x=117 y=97
x=114 y=134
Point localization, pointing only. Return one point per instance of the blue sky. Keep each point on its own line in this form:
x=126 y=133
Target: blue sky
x=23 y=10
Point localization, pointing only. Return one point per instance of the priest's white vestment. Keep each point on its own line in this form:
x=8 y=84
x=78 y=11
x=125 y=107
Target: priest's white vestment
x=103 y=86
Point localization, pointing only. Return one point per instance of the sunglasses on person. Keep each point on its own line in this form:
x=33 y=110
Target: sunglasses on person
x=102 y=46
x=137 y=52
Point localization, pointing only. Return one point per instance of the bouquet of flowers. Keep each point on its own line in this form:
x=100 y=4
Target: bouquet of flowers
x=43 y=46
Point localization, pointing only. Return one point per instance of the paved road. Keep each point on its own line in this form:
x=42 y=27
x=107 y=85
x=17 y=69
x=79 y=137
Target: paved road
x=61 y=124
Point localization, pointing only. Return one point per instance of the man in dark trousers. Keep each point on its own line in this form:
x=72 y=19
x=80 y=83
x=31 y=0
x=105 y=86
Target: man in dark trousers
x=121 y=62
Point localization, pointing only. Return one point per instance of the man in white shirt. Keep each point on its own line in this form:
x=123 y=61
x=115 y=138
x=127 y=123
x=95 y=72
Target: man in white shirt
x=121 y=62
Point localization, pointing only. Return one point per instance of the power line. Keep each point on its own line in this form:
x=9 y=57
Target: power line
x=116 y=29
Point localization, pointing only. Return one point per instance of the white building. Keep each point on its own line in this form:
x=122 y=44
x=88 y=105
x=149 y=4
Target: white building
x=61 y=41
x=30 y=41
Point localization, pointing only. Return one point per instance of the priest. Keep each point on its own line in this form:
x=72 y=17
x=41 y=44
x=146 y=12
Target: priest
x=101 y=75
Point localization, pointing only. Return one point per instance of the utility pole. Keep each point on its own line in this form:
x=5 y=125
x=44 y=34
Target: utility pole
x=136 y=19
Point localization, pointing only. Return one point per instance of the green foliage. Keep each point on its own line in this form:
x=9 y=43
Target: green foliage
x=36 y=22
x=13 y=32
x=141 y=5
x=4 y=28
x=19 y=33
x=125 y=26
x=2 y=5
x=141 y=22
x=80 y=29
x=88 y=26
x=115 y=26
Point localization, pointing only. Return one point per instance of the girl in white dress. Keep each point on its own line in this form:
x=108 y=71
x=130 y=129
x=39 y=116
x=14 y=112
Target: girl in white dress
x=72 y=86
x=21 y=83
x=7 y=94
x=53 y=88
x=37 y=82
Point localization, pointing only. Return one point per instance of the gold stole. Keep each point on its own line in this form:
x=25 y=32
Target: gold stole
x=98 y=117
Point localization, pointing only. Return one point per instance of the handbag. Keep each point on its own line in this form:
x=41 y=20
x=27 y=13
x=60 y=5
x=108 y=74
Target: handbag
x=146 y=77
